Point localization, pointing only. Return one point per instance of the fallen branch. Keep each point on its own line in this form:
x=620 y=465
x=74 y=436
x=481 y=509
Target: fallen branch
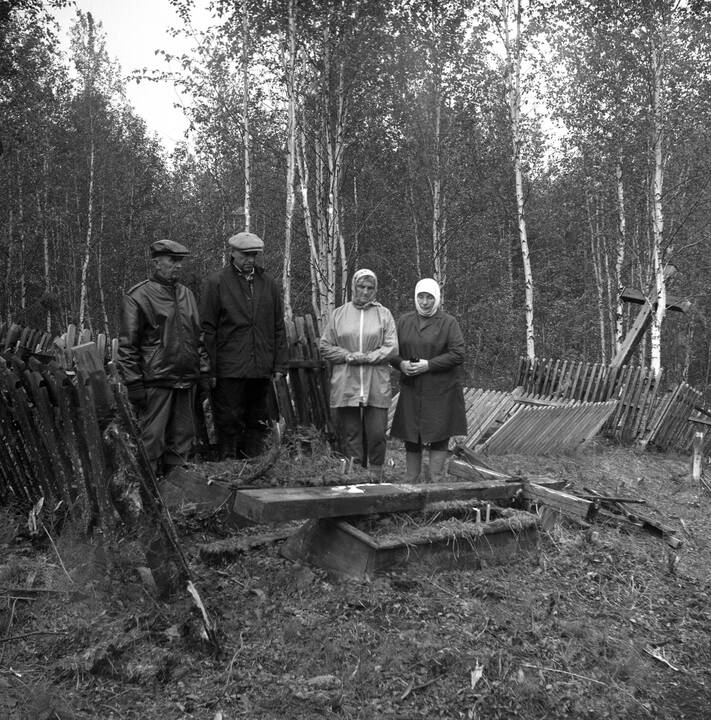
x=30 y=634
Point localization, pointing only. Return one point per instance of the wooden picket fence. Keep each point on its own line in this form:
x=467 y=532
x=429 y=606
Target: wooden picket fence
x=646 y=413
x=303 y=395
x=301 y=398
x=541 y=430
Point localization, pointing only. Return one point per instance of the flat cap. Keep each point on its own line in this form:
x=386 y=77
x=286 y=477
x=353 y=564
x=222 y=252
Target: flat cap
x=246 y=242
x=168 y=247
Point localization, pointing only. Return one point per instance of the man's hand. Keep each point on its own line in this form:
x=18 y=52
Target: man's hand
x=137 y=396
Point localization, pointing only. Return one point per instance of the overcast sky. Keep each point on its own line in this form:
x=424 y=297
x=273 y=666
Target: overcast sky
x=134 y=30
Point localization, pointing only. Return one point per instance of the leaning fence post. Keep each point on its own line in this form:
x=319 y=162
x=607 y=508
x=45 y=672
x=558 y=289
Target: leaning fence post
x=697 y=455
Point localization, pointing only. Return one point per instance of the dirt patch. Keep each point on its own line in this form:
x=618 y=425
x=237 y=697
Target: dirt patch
x=603 y=623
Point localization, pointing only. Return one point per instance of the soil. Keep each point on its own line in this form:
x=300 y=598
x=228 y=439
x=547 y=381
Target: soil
x=600 y=622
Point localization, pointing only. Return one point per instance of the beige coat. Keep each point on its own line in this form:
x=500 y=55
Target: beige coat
x=370 y=330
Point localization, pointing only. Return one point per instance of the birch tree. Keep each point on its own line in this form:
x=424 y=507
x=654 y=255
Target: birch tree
x=511 y=31
x=290 y=71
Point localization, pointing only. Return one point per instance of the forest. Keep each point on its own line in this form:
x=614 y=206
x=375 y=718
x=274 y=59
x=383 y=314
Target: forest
x=534 y=157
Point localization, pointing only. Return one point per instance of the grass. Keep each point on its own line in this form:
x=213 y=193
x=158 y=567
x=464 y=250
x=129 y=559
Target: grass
x=595 y=624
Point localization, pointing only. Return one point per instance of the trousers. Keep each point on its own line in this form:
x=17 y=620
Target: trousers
x=366 y=431
x=241 y=408
x=167 y=425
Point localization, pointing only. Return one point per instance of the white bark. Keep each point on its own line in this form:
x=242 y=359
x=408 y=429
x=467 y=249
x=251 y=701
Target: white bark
x=290 y=156
x=619 y=253
x=658 y=102
x=84 y=289
x=513 y=90
x=245 y=116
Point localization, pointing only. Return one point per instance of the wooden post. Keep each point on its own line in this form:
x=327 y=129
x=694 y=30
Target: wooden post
x=697 y=455
x=644 y=316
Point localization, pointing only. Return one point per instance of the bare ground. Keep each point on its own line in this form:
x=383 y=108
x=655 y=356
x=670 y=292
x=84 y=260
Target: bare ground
x=602 y=623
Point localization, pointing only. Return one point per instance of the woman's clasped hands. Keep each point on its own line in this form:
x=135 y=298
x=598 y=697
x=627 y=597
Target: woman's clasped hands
x=414 y=367
x=357 y=358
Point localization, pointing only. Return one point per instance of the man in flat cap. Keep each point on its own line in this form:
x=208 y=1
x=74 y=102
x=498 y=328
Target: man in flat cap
x=242 y=316
x=161 y=357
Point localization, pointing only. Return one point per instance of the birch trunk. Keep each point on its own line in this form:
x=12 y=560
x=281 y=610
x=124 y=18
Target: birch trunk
x=620 y=253
x=245 y=116
x=596 y=254
x=439 y=251
x=8 y=269
x=317 y=281
x=658 y=101
x=84 y=286
x=21 y=240
x=415 y=223
x=100 y=274
x=513 y=81
x=290 y=156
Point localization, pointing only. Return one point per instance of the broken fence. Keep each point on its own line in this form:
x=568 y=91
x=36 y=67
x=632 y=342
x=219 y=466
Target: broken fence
x=647 y=412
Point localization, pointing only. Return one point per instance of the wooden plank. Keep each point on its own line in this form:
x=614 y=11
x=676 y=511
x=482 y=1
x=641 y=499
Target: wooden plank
x=650 y=406
x=573 y=388
x=26 y=441
x=96 y=475
x=271 y=505
x=683 y=429
x=632 y=295
x=16 y=465
x=12 y=336
x=628 y=402
x=45 y=417
x=642 y=400
x=563 y=381
x=320 y=379
x=546 y=368
x=619 y=389
x=661 y=439
x=659 y=417
x=553 y=381
x=67 y=405
x=521 y=370
x=634 y=408
x=90 y=370
x=344 y=550
x=527 y=380
x=599 y=380
x=565 y=503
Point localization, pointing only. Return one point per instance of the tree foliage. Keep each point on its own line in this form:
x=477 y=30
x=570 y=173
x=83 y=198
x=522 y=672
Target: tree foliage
x=402 y=163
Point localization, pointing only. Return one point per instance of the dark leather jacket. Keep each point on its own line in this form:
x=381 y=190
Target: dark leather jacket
x=159 y=341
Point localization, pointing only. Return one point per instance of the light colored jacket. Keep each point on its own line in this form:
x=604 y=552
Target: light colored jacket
x=370 y=330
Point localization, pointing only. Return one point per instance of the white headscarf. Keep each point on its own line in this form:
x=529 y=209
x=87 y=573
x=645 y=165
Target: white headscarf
x=428 y=285
x=357 y=275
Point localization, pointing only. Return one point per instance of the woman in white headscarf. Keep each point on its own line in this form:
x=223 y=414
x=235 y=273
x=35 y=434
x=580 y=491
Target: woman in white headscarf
x=358 y=341
x=430 y=406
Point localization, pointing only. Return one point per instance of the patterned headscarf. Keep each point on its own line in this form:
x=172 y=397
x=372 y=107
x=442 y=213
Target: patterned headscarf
x=357 y=275
x=430 y=286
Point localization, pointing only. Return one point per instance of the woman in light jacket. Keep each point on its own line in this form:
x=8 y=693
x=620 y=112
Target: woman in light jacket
x=359 y=341
x=430 y=407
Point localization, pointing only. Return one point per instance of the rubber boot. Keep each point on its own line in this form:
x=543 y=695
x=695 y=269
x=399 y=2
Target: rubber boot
x=413 y=466
x=438 y=459
x=376 y=473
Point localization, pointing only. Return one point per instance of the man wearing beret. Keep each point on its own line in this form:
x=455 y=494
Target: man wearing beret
x=242 y=316
x=161 y=357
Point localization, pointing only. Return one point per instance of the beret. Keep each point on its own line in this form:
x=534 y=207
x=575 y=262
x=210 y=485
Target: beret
x=246 y=242
x=168 y=247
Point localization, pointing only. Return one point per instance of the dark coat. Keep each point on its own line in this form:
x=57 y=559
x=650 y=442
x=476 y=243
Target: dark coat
x=159 y=339
x=245 y=337
x=430 y=407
